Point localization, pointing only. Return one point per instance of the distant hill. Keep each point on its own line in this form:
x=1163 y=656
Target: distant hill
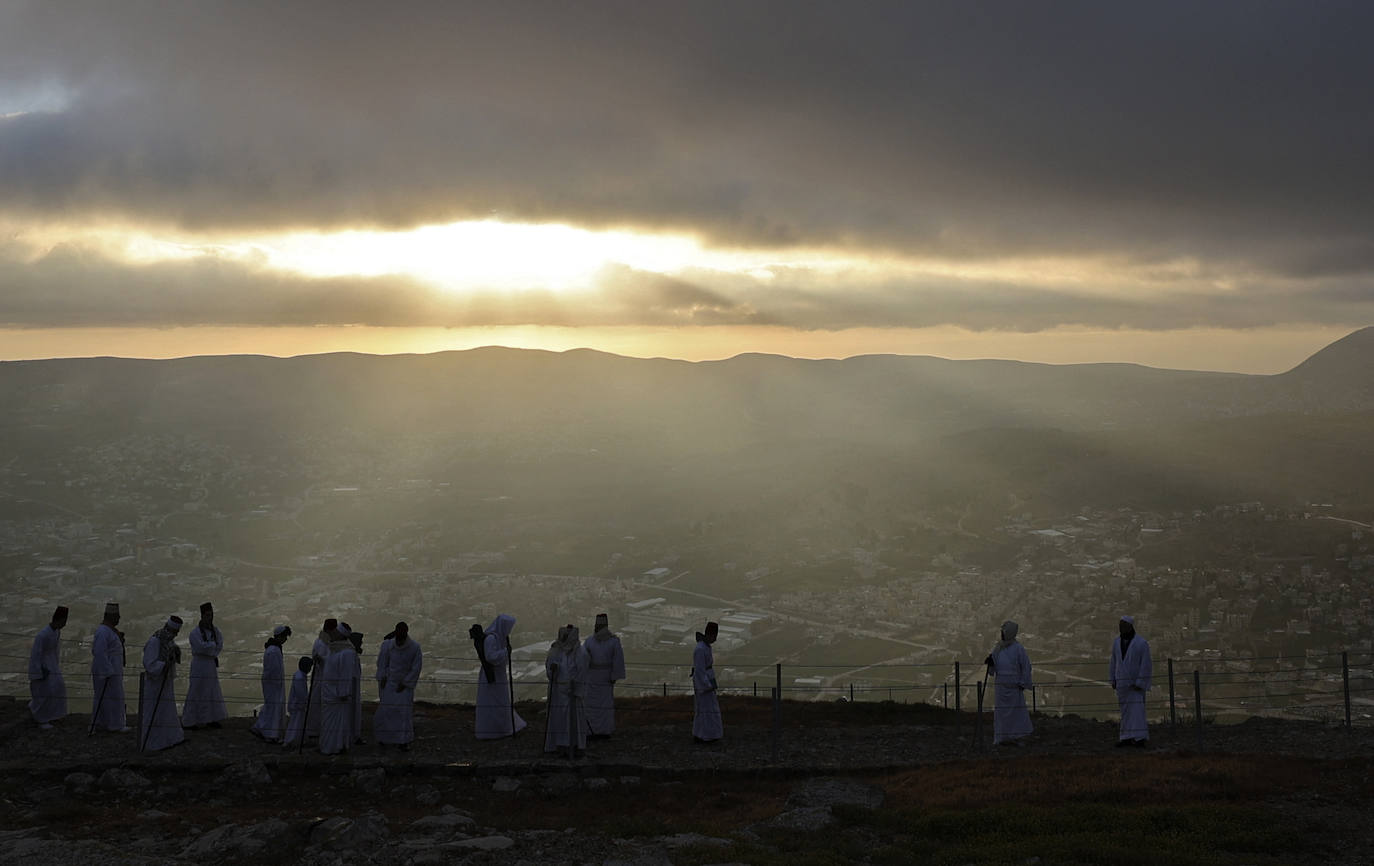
x=758 y=433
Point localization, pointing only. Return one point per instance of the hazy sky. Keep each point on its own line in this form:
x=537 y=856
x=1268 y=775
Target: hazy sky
x=1181 y=184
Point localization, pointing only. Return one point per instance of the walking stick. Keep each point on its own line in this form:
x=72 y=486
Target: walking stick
x=510 y=681
x=548 y=705
x=96 y=710
x=305 y=719
x=152 y=718
x=572 y=718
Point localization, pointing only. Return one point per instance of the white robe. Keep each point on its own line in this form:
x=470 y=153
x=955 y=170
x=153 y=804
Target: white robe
x=272 y=717
x=706 y=722
x=204 y=698
x=107 y=679
x=320 y=653
x=336 y=728
x=46 y=687
x=496 y=718
x=296 y=705
x=1131 y=677
x=355 y=722
x=567 y=673
x=394 y=721
x=158 y=725
x=607 y=665
x=1010 y=718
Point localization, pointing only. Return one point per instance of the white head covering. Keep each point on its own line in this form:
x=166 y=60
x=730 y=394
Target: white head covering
x=1130 y=620
x=1009 y=630
x=173 y=624
x=279 y=631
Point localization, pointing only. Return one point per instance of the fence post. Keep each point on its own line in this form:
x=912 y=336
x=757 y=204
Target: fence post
x=1173 y=709
x=978 y=721
x=1345 y=680
x=665 y=690
x=851 y=700
x=776 y=732
x=1035 y=700
x=756 y=688
x=945 y=687
x=1197 y=705
x=956 y=689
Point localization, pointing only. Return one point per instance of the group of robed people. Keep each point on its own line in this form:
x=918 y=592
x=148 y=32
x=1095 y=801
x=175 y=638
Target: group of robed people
x=325 y=697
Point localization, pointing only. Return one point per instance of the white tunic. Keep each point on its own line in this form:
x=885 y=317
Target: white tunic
x=46 y=687
x=336 y=728
x=496 y=717
x=1012 y=668
x=320 y=653
x=397 y=666
x=706 y=723
x=296 y=705
x=607 y=665
x=107 y=679
x=355 y=721
x=1131 y=677
x=271 y=720
x=204 y=699
x=567 y=672
x=158 y=725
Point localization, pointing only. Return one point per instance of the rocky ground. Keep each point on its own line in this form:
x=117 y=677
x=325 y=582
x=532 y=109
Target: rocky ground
x=647 y=796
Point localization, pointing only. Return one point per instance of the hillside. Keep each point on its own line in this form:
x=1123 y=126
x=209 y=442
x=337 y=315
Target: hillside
x=881 y=783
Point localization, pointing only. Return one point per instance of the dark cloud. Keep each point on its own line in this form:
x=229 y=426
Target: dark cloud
x=1237 y=133
x=73 y=286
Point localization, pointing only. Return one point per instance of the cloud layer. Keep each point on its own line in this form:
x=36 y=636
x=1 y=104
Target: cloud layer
x=1235 y=135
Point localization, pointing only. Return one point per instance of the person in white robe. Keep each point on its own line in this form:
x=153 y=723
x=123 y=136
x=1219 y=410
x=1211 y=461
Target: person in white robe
x=496 y=715
x=108 y=712
x=707 y=726
x=271 y=722
x=1010 y=664
x=356 y=722
x=204 y=705
x=606 y=666
x=298 y=702
x=158 y=725
x=336 y=728
x=1130 y=673
x=566 y=666
x=318 y=654
x=47 y=688
x=398 y=672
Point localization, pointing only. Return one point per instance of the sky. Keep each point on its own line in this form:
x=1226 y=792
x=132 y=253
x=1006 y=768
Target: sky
x=1185 y=185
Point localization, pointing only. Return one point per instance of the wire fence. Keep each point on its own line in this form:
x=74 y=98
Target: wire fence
x=1335 y=686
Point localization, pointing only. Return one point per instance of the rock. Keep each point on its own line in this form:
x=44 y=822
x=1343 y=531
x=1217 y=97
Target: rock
x=340 y=833
x=152 y=815
x=596 y=783
x=79 y=783
x=441 y=823
x=245 y=774
x=273 y=836
x=481 y=843
x=680 y=840
x=629 y=780
x=120 y=779
x=505 y=785
x=47 y=793
x=369 y=781
x=427 y=795
x=804 y=819
x=559 y=783
x=831 y=792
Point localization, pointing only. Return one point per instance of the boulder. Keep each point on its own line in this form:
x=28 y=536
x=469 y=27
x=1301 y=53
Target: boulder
x=244 y=774
x=834 y=792
x=274 y=837
x=120 y=779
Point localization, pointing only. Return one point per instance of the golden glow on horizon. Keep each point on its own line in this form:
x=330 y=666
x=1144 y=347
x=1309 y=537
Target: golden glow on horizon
x=486 y=255
x=1263 y=350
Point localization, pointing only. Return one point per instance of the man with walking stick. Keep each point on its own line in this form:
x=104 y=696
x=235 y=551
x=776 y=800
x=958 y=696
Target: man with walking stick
x=566 y=668
x=159 y=725
x=496 y=715
x=107 y=674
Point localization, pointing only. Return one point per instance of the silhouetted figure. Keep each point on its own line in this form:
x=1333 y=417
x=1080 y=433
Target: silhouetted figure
x=158 y=725
x=271 y=722
x=398 y=672
x=204 y=705
x=496 y=715
x=107 y=674
x=47 y=688
x=566 y=668
x=605 y=667
x=1011 y=665
x=1130 y=672
x=707 y=726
